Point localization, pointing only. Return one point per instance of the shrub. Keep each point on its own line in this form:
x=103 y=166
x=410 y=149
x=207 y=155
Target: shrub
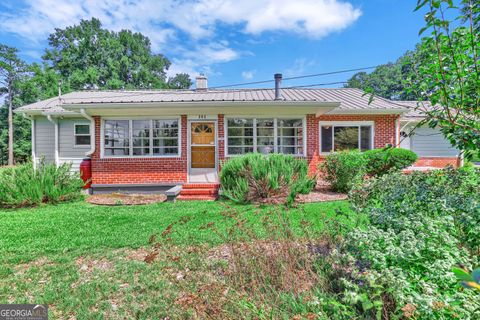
x=382 y=161
x=25 y=186
x=436 y=193
x=422 y=225
x=256 y=178
x=343 y=169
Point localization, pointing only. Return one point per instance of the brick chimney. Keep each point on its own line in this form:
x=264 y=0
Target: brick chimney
x=201 y=83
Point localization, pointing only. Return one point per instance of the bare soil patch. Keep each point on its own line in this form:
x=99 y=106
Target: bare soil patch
x=322 y=192
x=38 y=263
x=122 y=199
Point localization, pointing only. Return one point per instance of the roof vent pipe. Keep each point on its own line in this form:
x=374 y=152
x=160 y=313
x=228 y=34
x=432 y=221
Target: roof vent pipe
x=278 y=81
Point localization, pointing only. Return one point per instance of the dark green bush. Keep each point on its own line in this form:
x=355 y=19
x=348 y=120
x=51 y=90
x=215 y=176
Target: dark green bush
x=258 y=178
x=23 y=185
x=343 y=169
x=422 y=225
x=382 y=161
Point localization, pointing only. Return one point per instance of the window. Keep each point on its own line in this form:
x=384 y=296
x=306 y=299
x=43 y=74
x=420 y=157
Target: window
x=265 y=135
x=82 y=134
x=116 y=139
x=337 y=137
x=141 y=138
x=240 y=136
x=165 y=137
x=290 y=136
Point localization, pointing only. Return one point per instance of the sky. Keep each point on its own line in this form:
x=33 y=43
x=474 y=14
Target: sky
x=235 y=41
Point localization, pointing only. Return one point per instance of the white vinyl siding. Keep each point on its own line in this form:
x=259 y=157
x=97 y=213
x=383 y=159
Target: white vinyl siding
x=66 y=142
x=428 y=142
x=44 y=140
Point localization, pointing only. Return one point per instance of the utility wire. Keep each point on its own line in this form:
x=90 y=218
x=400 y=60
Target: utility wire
x=294 y=78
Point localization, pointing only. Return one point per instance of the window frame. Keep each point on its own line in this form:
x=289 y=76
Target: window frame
x=130 y=137
x=75 y=135
x=275 y=133
x=355 y=124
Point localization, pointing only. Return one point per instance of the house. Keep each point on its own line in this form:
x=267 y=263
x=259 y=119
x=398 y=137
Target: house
x=429 y=144
x=159 y=138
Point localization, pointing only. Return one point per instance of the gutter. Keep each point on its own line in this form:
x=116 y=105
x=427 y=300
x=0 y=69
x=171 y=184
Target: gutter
x=55 y=122
x=92 y=131
x=34 y=157
x=197 y=104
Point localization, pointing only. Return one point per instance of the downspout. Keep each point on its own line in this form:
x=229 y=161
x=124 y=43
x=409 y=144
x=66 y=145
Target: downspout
x=397 y=132
x=461 y=159
x=92 y=132
x=55 y=122
x=34 y=157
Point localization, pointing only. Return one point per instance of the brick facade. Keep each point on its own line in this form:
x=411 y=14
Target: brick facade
x=384 y=132
x=437 y=162
x=175 y=169
x=139 y=170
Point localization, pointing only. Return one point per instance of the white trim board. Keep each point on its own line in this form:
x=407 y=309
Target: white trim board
x=189 y=144
x=344 y=124
x=131 y=156
x=275 y=132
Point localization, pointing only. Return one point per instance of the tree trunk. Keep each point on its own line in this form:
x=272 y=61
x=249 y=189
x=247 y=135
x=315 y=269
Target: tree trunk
x=10 y=124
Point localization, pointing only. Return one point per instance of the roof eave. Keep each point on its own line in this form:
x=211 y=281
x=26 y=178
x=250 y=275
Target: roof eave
x=30 y=112
x=368 y=111
x=180 y=104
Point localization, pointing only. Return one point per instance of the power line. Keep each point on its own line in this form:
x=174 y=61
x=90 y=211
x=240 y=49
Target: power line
x=315 y=85
x=134 y=93
x=294 y=78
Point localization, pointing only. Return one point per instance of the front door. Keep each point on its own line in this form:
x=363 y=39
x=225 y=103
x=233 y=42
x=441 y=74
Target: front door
x=203 y=145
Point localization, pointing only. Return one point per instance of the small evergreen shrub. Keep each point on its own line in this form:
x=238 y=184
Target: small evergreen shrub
x=382 y=161
x=262 y=178
x=23 y=185
x=343 y=169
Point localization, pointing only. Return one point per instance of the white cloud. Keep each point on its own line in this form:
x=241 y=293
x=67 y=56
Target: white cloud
x=190 y=28
x=300 y=66
x=248 y=74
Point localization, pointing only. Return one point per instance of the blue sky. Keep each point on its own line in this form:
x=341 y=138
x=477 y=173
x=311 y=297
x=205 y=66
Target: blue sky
x=235 y=41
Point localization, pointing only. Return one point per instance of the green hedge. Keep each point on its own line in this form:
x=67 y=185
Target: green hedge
x=23 y=185
x=382 y=161
x=344 y=169
x=258 y=178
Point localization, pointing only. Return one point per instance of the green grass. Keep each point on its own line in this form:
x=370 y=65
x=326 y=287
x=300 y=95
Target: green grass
x=75 y=256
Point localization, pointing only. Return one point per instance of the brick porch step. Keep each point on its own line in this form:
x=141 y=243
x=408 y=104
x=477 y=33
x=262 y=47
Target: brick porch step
x=199 y=191
x=201 y=186
x=196 y=198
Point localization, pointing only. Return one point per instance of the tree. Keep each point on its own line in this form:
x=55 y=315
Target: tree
x=88 y=56
x=387 y=80
x=12 y=68
x=449 y=75
x=180 y=81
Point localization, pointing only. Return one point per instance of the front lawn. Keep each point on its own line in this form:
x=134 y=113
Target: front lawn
x=86 y=261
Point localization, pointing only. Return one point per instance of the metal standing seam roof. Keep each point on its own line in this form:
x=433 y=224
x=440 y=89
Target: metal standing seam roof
x=349 y=98
x=414 y=109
